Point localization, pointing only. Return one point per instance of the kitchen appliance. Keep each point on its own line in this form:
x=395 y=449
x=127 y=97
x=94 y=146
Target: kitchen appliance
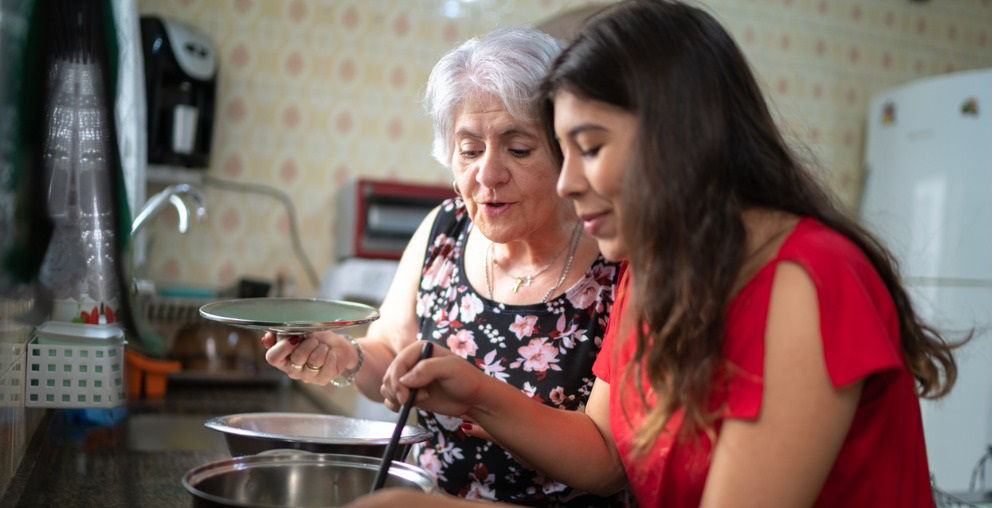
x=374 y=221
x=928 y=196
x=376 y=218
x=181 y=68
x=250 y=433
x=295 y=479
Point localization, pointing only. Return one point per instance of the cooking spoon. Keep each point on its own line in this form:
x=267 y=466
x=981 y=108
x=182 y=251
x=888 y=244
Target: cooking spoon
x=386 y=460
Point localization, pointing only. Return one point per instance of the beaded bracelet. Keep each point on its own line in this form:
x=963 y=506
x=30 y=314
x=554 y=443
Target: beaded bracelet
x=347 y=377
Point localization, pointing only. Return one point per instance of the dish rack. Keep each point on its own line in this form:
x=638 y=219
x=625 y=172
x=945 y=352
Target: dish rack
x=178 y=321
x=167 y=315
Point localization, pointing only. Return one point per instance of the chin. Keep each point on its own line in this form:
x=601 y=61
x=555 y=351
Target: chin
x=612 y=250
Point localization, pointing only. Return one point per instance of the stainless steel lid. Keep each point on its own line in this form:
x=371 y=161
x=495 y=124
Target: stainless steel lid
x=289 y=315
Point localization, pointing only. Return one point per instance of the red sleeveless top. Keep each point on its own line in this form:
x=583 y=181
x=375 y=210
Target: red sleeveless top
x=882 y=461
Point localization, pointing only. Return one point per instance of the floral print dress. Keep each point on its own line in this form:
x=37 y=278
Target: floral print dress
x=546 y=350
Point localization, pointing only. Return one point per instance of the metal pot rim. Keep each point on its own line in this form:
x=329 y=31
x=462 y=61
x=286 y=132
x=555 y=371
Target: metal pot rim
x=198 y=474
x=222 y=424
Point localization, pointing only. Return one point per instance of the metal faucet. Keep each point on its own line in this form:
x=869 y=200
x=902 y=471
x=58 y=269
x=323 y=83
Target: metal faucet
x=172 y=195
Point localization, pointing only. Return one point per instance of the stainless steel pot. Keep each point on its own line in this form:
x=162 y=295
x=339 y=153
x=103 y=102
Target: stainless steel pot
x=295 y=479
x=251 y=433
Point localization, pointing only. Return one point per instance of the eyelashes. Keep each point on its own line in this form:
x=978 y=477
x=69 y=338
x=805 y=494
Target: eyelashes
x=517 y=153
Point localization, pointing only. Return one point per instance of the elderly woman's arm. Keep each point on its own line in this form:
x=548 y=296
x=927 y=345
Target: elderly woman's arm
x=333 y=354
x=572 y=447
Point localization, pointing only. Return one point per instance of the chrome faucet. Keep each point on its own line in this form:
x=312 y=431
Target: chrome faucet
x=172 y=195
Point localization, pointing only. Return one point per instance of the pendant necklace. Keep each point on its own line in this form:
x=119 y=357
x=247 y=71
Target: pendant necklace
x=525 y=280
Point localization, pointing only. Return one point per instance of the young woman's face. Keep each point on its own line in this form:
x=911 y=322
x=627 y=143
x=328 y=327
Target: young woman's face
x=596 y=139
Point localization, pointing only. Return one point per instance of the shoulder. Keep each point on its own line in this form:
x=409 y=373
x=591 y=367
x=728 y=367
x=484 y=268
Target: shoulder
x=812 y=240
x=452 y=209
x=829 y=280
x=447 y=220
x=830 y=258
x=842 y=275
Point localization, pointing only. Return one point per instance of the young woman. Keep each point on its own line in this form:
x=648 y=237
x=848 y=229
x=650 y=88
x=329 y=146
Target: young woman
x=761 y=350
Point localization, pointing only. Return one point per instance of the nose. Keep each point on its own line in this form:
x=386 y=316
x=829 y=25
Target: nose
x=492 y=170
x=571 y=182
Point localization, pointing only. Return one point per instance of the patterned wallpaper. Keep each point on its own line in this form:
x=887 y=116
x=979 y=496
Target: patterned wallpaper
x=313 y=93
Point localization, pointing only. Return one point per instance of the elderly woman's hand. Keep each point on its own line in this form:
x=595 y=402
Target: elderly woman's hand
x=316 y=358
x=446 y=383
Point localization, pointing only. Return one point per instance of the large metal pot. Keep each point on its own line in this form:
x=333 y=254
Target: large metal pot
x=251 y=433
x=296 y=479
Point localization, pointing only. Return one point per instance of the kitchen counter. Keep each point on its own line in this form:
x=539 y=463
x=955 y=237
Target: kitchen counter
x=135 y=455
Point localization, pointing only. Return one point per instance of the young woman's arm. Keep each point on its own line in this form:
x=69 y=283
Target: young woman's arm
x=572 y=447
x=409 y=498
x=783 y=457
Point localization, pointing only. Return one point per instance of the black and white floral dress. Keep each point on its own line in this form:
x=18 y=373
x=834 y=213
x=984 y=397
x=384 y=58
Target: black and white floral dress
x=546 y=350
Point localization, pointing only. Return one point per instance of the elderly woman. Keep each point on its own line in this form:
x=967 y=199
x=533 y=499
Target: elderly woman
x=501 y=275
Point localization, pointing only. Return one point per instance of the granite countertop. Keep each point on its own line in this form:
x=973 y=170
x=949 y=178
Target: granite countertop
x=136 y=455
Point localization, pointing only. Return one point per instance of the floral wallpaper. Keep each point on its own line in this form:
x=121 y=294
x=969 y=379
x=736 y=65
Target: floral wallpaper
x=314 y=93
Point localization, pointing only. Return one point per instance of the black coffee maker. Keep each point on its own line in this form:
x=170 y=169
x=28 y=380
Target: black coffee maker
x=181 y=66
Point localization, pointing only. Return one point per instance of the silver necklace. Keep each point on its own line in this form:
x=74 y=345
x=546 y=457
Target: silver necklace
x=526 y=280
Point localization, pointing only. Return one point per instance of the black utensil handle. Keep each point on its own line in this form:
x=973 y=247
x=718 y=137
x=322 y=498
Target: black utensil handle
x=386 y=459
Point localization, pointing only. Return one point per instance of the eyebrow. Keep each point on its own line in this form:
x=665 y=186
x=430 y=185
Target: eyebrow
x=512 y=131
x=578 y=129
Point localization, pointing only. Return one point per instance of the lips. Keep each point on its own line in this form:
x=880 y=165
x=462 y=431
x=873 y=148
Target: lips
x=493 y=208
x=591 y=222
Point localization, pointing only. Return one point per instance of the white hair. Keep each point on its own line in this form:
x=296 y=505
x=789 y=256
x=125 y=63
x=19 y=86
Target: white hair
x=509 y=63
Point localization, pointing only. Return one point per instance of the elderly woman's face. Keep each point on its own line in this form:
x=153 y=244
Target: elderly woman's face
x=505 y=170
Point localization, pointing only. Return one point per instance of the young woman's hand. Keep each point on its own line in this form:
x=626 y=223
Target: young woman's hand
x=446 y=383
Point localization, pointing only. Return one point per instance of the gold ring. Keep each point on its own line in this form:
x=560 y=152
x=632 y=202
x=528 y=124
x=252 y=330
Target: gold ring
x=312 y=368
x=295 y=365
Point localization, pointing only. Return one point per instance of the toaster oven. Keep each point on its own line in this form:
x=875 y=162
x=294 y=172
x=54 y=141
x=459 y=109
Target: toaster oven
x=376 y=218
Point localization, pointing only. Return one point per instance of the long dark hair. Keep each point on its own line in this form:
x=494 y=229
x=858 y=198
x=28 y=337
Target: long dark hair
x=707 y=149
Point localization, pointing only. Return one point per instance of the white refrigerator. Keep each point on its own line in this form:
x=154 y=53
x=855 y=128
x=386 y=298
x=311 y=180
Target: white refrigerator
x=928 y=196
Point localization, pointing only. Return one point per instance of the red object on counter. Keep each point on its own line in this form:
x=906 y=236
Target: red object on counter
x=146 y=377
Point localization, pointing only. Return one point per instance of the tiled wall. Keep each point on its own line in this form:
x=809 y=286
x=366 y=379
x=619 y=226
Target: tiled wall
x=315 y=92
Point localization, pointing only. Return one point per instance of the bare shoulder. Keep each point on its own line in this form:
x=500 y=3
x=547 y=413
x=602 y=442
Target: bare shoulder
x=793 y=306
x=788 y=450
